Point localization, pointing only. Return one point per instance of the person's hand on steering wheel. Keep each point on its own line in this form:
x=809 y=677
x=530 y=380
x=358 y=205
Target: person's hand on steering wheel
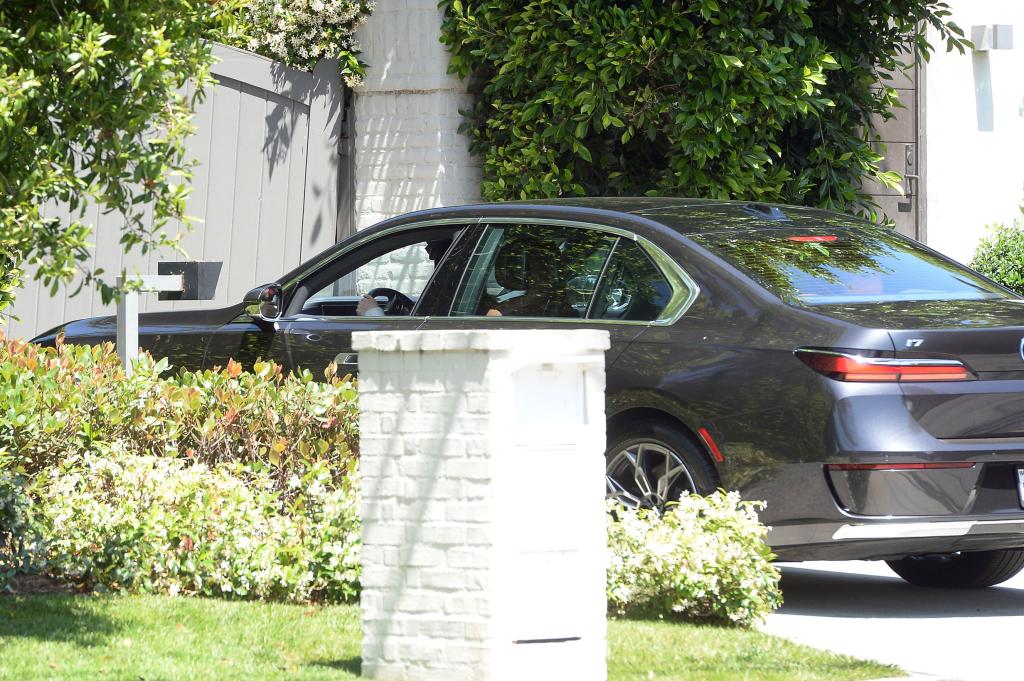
x=368 y=307
x=397 y=303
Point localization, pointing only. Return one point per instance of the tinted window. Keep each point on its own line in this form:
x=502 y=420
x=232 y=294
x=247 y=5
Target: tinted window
x=403 y=263
x=533 y=271
x=847 y=266
x=633 y=288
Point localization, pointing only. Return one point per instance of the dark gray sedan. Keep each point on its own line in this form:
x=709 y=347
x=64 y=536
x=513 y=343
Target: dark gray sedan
x=870 y=389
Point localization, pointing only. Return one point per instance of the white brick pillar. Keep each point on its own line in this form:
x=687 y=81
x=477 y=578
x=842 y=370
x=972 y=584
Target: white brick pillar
x=483 y=504
x=409 y=154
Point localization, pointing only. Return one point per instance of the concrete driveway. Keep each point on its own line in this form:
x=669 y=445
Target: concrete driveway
x=864 y=609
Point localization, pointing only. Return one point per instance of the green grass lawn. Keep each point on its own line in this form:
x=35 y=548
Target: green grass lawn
x=154 y=637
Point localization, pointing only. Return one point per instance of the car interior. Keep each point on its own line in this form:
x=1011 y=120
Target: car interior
x=513 y=271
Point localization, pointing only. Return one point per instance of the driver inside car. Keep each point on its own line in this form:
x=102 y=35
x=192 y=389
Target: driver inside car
x=368 y=306
x=436 y=249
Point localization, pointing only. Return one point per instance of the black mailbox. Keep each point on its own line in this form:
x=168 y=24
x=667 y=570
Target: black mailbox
x=200 y=279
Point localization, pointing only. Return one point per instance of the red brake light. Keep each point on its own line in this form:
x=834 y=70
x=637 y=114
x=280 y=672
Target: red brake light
x=817 y=239
x=844 y=366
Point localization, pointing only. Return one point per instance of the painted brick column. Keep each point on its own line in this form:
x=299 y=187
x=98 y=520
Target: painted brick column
x=483 y=504
x=409 y=154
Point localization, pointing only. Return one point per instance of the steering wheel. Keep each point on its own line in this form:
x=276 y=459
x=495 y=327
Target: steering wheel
x=398 y=303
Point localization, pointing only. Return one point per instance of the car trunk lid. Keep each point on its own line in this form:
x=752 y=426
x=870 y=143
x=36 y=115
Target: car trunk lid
x=986 y=335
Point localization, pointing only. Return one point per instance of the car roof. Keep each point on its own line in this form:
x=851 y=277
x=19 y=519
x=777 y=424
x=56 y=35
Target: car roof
x=681 y=215
x=700 y=216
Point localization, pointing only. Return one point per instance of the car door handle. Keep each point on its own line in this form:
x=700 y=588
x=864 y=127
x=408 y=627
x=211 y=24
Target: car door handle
x=349 y=358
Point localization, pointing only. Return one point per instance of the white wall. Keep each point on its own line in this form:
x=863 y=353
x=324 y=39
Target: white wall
x=974 y=132
x=409 y=154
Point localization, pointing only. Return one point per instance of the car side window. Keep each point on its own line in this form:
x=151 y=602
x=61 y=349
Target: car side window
x=535 y=271
x=633 y=288
x=396 y=271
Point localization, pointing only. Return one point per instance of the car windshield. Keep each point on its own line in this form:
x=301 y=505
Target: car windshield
x=840 y=266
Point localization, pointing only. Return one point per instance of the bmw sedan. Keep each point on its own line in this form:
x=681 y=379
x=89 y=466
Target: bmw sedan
x=868 y=388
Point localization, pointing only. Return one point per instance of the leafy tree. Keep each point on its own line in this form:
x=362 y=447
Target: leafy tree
x=93 y=109
x=749 y=99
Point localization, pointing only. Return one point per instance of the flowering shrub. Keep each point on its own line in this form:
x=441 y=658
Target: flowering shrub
x=302 y=32
x=703 y=558
x=165 y=525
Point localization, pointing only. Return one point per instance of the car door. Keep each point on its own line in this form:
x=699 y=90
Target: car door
x=322 y=316
x=245 y=339
x=540 y=276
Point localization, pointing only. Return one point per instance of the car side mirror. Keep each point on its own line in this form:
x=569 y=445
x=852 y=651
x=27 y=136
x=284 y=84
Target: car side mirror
x=265 y=302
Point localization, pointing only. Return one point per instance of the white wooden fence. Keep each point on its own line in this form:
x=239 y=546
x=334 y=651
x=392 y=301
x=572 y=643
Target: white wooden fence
x=273 y=186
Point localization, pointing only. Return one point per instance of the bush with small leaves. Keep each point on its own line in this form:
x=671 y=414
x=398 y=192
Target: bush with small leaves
x=704 y=558
x=57 y=401
x=219 y=482
x=21 y=536
x=1000 y=256
x=150 y=524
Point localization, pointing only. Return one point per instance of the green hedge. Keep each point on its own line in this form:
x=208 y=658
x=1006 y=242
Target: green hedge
x=217 y=482
x=747 y=99
x=117 y=521
x=1000 y=256
x=78 y=399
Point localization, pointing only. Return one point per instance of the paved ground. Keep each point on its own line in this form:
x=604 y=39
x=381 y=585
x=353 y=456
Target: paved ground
x=863 y=609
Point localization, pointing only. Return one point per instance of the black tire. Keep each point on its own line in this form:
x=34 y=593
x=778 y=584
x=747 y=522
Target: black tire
x=969 y=570
x=643 y=450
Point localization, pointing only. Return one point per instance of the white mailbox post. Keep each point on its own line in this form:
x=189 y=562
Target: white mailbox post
x=128 y=310
x=482 y=464
x=186 y=280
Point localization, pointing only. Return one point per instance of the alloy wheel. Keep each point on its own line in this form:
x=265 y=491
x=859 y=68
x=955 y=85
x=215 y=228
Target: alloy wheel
x=647 y=474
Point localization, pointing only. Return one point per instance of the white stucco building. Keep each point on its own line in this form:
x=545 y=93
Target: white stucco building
x=974 y=131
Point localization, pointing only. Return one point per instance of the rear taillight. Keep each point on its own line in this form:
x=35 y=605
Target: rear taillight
x=848 y=366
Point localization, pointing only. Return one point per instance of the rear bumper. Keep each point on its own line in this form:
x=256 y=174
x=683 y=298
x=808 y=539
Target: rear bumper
x=893 y=513
x=818 y=513
x=988 y=486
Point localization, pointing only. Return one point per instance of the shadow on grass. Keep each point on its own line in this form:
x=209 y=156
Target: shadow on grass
x=67 y=619
x=352 y=665
x=674 y=618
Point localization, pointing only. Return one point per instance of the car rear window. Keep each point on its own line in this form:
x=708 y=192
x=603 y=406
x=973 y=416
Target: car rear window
x=836 y=266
